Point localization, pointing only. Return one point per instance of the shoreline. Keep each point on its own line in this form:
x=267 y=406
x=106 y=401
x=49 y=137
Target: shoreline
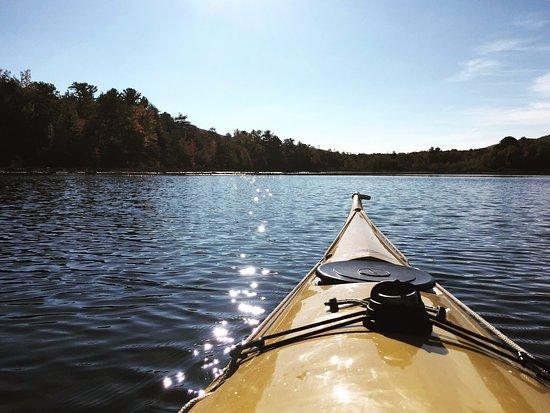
x=40 y=171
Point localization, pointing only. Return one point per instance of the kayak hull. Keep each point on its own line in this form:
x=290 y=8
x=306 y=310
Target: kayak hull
x=354 y=369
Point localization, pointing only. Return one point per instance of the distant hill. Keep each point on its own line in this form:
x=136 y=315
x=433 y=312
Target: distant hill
x=79 y=129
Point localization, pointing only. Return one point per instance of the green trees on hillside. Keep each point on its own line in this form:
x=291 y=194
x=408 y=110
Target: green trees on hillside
x=84 y=129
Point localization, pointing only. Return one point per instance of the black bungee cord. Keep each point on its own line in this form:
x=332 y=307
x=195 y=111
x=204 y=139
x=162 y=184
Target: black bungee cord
x=381 y=314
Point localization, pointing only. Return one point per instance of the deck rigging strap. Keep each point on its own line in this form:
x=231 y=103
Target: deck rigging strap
x=482 y=321
x=367 y=317
x=436 y=317
x=239 y=351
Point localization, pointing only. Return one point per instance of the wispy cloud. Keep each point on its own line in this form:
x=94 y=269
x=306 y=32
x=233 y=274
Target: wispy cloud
x=487 y=54
x=533 y=114
x=511 y=45
x=532 y=22
x=473 y=68
x=502 y=45
x=536 y=113
x=542 y=84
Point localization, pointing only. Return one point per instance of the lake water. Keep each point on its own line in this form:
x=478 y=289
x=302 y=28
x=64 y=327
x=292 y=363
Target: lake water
x=122 y=292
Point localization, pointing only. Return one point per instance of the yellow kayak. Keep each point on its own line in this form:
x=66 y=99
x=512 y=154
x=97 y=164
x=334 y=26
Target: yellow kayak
x=364 y=332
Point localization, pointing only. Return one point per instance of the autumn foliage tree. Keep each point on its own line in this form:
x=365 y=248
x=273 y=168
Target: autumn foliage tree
x=85 y=129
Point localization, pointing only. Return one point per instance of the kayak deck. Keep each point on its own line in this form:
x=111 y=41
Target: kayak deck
x=354 y=369
x=357 y=370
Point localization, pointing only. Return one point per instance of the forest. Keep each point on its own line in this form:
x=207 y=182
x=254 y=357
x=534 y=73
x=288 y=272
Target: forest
x=81 y=129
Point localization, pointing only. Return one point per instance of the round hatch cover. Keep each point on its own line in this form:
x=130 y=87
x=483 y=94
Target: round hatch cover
x=371 y=270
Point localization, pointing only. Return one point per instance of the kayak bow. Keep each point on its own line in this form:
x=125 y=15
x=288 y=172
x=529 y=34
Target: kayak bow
x=364 y=331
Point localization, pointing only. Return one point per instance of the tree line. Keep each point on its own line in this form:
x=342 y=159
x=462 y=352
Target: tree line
x=121 y=130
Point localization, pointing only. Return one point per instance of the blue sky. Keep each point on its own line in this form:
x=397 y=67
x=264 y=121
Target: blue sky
x=358 y=76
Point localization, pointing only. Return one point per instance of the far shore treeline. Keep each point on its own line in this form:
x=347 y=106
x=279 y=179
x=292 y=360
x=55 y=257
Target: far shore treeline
x=121 y=130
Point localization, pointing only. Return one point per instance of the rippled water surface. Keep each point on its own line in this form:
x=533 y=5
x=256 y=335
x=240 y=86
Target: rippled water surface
x=123 y=292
